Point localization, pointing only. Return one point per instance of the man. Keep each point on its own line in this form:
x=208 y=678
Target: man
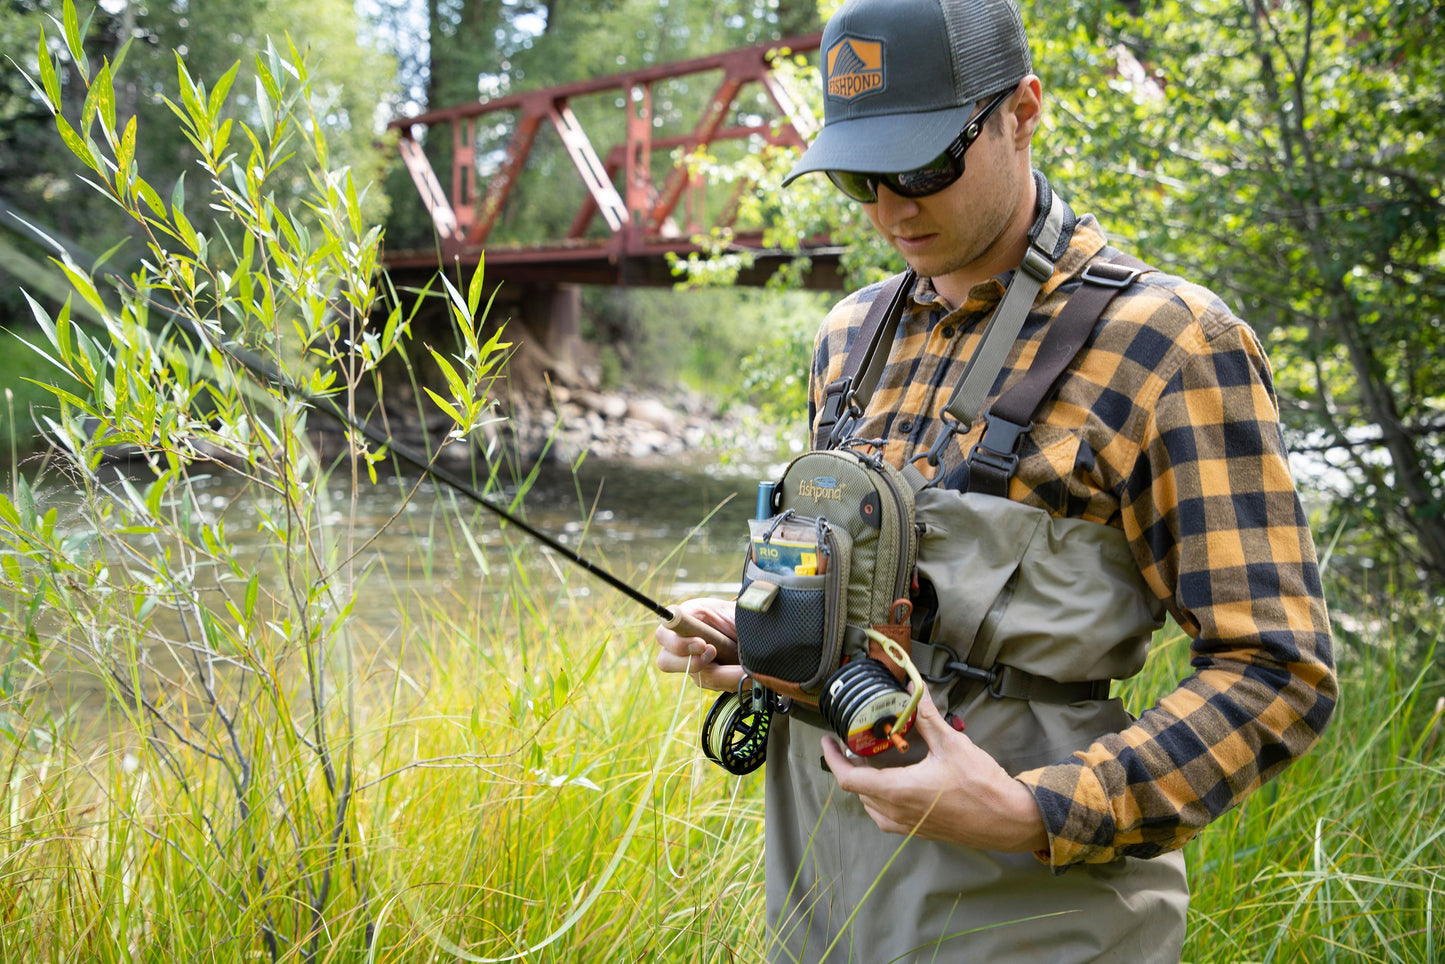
x=1040 y=822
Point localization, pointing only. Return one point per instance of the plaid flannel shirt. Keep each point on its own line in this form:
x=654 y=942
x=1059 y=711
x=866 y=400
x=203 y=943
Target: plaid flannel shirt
x=1165 y=426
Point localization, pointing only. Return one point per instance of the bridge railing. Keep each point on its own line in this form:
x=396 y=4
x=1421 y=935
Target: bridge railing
x=644 y=215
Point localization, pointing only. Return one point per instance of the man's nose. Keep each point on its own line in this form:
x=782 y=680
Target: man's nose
x=892 y=207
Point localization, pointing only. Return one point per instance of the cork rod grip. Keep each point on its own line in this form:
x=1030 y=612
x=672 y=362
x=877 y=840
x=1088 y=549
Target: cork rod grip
x=685 y=625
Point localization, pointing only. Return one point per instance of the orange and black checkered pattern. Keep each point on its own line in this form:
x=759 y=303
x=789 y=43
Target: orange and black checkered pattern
x=1166 y=426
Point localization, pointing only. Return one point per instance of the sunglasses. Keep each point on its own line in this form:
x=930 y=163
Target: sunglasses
x=931 y=178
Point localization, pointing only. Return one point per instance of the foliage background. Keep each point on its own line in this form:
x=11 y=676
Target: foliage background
x=1288 y=154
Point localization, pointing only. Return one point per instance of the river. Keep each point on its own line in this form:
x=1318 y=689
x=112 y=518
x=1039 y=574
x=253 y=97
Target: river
x=674 y=528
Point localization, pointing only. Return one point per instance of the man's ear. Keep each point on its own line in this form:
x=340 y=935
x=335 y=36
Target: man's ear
x=1027 y=110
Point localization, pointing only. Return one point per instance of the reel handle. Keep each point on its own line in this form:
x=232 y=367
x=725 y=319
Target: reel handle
x=685 y=625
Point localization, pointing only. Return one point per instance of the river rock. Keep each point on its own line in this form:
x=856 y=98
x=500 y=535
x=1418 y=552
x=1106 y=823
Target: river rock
x=655 y=414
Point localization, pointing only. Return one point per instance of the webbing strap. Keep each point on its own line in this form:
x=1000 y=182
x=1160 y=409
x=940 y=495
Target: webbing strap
x=939 y=664
x=847 y=395
x=994 y=458
x=1007 y=321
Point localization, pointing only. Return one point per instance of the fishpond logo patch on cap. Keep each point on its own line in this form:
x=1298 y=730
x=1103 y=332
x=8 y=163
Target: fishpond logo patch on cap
x=855 y=67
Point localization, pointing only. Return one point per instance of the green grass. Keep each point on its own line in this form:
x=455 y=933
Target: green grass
x=523 y=779
x=1342 y=858
x=525 y=783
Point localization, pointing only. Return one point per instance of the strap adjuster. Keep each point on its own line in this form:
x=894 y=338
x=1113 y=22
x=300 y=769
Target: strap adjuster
x=1106 y=274
x=1037 y=264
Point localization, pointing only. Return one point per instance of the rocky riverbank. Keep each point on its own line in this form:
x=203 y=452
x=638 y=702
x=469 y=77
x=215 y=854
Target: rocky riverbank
x=627 y=424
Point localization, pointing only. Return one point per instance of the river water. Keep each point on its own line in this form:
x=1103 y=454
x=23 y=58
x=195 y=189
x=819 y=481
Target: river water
x=675 y=528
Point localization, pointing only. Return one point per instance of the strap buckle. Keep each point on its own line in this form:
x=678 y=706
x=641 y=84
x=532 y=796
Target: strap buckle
x=996 y=448
x=955 y=668
x=934 y=455
x=1107 y=274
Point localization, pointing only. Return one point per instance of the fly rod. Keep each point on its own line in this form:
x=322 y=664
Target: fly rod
x=678 y=622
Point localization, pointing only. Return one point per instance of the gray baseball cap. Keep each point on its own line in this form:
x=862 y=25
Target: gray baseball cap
x=900 y=78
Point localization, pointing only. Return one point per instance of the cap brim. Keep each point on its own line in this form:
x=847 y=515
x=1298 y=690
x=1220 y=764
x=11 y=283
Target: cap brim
x=888 y=143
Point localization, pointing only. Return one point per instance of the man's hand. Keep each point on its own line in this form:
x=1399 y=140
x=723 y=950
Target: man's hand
x=710 y=666
x=957 y=794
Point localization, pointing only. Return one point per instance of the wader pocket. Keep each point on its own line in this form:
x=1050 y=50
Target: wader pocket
x=790 y=627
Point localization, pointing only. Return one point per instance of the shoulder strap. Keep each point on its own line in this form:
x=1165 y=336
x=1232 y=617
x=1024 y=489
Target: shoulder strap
x=846 y=395
x=994 y=458
x=1008 y=318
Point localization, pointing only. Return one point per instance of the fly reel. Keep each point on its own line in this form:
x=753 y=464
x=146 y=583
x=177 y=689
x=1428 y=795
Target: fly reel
x=863 y=704
x=735 y=733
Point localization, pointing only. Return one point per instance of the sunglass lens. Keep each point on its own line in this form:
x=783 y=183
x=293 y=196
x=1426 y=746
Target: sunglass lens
x=857 y=186
x=929 y=179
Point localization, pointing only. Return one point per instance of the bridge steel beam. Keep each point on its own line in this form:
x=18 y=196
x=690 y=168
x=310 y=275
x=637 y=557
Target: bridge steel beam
x=640 y=216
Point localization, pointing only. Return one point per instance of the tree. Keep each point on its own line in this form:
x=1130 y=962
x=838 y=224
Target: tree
x=350 y=82
x=1289 y=154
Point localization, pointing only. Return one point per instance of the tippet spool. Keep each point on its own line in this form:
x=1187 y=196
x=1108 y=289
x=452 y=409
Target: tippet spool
x=863 y=704
x=735 y=734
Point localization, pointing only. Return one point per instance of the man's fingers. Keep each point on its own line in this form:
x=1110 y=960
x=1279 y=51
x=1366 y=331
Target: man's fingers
x=852 y=777
x=723 y=678
x=672 y=662
x=928 y=721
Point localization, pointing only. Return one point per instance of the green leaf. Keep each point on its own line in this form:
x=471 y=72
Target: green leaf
x=42 y=318
x=474 y=290
x=178 y=193
x=458 y=302
x=71 y=26
x=222 y=88
x=83 y=284
x=104 y=91
x=151 y=198
x=125 y=151
x=191 y=97
x=446 y=407
x=77 y=145
x=353 y=209
x=48 y=77
x=454 y=381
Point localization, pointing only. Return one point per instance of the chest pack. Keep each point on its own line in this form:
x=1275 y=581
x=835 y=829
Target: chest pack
x=830 y=579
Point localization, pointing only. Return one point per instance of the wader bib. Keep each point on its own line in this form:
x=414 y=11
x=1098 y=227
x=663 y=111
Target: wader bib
x=1061 y=599
x=1034 y=616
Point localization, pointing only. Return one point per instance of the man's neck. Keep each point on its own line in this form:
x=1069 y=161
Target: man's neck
x=1005 y=254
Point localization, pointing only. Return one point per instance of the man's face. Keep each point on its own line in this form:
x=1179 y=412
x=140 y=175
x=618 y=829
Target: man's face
x=958 y=233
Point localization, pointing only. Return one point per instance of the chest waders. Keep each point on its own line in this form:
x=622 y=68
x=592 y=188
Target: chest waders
x=1034 y=616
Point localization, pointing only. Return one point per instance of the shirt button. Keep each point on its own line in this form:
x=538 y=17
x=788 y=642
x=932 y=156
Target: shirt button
x=948 y=332
x=905 y=426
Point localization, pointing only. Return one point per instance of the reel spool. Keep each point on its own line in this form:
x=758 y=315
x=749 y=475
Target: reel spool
x=735 y=734
x=863 y=703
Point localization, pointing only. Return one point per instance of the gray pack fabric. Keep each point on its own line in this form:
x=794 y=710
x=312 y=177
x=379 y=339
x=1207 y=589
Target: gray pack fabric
x=1058 y=598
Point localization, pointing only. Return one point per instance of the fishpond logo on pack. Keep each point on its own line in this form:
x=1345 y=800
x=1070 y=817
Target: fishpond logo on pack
x=821 y=488
x=855 y=67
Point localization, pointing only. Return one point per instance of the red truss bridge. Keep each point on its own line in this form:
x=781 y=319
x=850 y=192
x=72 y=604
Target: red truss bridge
x=639 y=205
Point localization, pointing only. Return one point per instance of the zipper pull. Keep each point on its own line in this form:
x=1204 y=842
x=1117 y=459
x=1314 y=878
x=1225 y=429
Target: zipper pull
x=824 y=552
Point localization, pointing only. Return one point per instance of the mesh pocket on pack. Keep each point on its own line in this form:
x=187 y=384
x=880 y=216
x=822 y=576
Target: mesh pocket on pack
x=790 y=638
